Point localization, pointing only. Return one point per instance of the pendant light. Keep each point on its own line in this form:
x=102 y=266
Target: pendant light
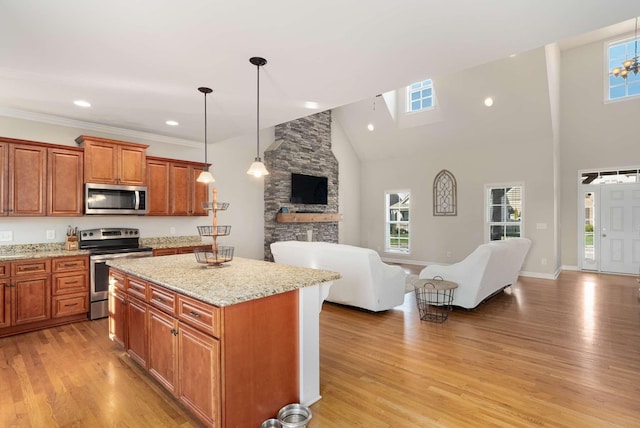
x=629 y=65
x=257 y=168
x=205 y=176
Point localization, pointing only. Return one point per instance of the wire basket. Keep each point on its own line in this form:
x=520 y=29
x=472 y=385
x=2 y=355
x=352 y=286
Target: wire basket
x=214 y=230
x=434 y=299
x=213 y=257
x=218 y=206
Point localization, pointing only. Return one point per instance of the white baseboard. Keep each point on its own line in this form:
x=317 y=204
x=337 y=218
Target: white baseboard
x=540 y=275
x=567 y=267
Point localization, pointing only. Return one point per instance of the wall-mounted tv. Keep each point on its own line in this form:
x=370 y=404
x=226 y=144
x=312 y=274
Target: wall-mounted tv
x=308 y=189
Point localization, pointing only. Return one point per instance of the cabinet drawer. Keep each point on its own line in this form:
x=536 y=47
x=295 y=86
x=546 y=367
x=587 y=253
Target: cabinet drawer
x=165 y=251
x=70 y=305
x=30 y=267
x=67 y=264
x=162 y=298
x=4 y=270
x=185 y=250
x=137 y=288
x=200 y=315
x=70 y=283
x=117 y=279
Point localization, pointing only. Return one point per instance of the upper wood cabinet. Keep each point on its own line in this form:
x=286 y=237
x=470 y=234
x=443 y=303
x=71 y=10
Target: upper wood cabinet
x=4 y=170
x=173 y=189
x=25 y=180
x=64 y=181
x=113 y=162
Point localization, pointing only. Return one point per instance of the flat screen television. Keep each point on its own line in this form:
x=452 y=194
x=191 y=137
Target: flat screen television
x=308 y=189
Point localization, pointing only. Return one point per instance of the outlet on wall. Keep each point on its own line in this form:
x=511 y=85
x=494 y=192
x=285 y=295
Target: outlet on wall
x=51 y=234
x=543 y=261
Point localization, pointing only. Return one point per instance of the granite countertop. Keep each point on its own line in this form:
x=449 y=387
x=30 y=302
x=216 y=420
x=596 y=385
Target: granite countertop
x=237 y=281
x=171 y=241
x=36 y=251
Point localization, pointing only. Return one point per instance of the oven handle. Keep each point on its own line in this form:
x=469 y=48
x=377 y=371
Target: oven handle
x=139 y=254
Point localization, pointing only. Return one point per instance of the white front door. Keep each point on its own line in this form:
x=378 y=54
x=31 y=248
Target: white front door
x=620 y=228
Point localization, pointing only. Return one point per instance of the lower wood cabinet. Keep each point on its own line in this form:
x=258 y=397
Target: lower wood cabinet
x=43 y=292
x=231 y=367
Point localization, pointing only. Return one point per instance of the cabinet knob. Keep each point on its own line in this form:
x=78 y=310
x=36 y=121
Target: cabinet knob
x=174 y=331
x=194 y=314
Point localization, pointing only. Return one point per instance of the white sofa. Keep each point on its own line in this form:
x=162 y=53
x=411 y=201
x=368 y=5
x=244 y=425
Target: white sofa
x=485 y=272
x=366 y=281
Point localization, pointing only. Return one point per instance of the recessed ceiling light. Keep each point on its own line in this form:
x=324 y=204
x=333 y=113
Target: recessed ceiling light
x=488 y=101
x=512 y=56
x=370 y=127
x=82 y=103
x=172 y=123
x=312 y=105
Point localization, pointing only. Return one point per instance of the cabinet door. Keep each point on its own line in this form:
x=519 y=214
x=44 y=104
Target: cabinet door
x=199 y=193
x=132 y=166
x=4 y=162
x=118 y=316
x=158 y=187
x=199 y=371
x=100 y=162
x=27 y=176
x=163 y=348
x=5 y=296
x=31 y=300
x=137 y=331
x=179 y=185
x=64 y=182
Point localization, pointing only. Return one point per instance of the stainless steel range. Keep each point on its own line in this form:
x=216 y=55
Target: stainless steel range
x=107 y=244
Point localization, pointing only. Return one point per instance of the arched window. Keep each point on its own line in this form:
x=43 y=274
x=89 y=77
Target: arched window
x=445 y=194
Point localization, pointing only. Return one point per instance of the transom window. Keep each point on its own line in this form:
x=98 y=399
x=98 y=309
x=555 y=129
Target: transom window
x=420 y=96
x=620 y=87
x=397 y=227
x=505 y=212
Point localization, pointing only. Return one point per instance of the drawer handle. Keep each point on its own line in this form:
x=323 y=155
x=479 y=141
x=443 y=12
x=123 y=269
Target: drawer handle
x=73 y=282
x=70 y=264
x=31 y=268
x=194 y=314
x=160 y=299
x=71 y=304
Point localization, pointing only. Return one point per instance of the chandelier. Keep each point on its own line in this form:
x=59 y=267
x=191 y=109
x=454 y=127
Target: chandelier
x=629 y=65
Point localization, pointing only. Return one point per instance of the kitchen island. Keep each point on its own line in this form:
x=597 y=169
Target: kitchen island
x=234 y=344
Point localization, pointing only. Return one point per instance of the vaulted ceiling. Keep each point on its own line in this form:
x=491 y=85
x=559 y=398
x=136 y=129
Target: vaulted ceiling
x=140 y=63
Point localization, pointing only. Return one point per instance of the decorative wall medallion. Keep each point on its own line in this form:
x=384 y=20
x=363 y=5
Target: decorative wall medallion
x=445 y=199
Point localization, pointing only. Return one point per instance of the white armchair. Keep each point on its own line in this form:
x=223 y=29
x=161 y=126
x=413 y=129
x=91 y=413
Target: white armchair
x=366 y=281
x=485 y=272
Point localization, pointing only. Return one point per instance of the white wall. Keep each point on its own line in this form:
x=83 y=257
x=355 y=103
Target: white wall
x=594 y=134
x=230 y=158
x=511 y=142
x=349 y=185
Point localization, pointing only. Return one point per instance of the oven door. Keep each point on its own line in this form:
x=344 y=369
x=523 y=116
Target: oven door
x=99 y=293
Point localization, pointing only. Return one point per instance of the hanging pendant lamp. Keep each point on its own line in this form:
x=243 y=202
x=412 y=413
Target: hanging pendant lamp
x=629 y=65
x=257 y=168
x=205 y=176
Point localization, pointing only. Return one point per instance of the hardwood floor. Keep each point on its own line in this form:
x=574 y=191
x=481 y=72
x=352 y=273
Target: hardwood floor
x=544 y=353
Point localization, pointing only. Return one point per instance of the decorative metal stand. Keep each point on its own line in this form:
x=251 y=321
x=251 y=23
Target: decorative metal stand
x=434 y=298
x=214 y=255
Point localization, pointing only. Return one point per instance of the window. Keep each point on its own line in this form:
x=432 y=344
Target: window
x=397 y=227
x=420 y=96
x=619 y=87
x=505 y=211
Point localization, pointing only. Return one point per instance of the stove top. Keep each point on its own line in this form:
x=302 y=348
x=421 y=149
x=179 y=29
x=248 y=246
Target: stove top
x=111 y=240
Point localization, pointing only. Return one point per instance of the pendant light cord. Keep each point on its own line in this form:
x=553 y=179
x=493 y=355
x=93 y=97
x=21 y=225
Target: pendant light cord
x=205 y=131
x=258 y=114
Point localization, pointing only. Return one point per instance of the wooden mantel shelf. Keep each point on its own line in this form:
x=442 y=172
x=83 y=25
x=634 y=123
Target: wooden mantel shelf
x=308 y=217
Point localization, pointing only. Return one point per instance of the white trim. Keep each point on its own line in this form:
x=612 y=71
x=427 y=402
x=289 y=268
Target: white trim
x=551 y=276
x=386 y=223
x=569 y=267
x=523 y=211
x=89 y=126
x=607 y=71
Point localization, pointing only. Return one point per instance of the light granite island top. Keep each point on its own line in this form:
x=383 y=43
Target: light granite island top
x=238 y=281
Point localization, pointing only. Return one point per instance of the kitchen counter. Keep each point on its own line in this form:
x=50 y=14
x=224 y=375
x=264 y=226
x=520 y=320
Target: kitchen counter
x=36 y=251
x=238 y=281
x=172 y=241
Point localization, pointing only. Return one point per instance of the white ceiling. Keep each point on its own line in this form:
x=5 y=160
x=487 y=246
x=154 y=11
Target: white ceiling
x=140 y=62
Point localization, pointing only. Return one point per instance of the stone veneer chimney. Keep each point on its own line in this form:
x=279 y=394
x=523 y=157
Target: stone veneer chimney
x=302 y=146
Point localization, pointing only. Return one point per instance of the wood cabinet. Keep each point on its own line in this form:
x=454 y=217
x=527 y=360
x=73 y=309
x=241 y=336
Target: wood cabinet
x=137 y=342
x=25 y=180
x=158 y=186
x=232 y=367
x=113 y=162
x=118 y=316
x=43 y=292
x=4 y=177
x=175 y=250
x=30 y=294
x=65 y=181
x=70 y=286
x=174 y=189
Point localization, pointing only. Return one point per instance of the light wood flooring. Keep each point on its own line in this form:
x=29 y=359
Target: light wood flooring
x=562 y=353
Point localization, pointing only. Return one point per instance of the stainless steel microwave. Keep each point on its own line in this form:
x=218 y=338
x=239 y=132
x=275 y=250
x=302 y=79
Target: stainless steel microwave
x=115 y=199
